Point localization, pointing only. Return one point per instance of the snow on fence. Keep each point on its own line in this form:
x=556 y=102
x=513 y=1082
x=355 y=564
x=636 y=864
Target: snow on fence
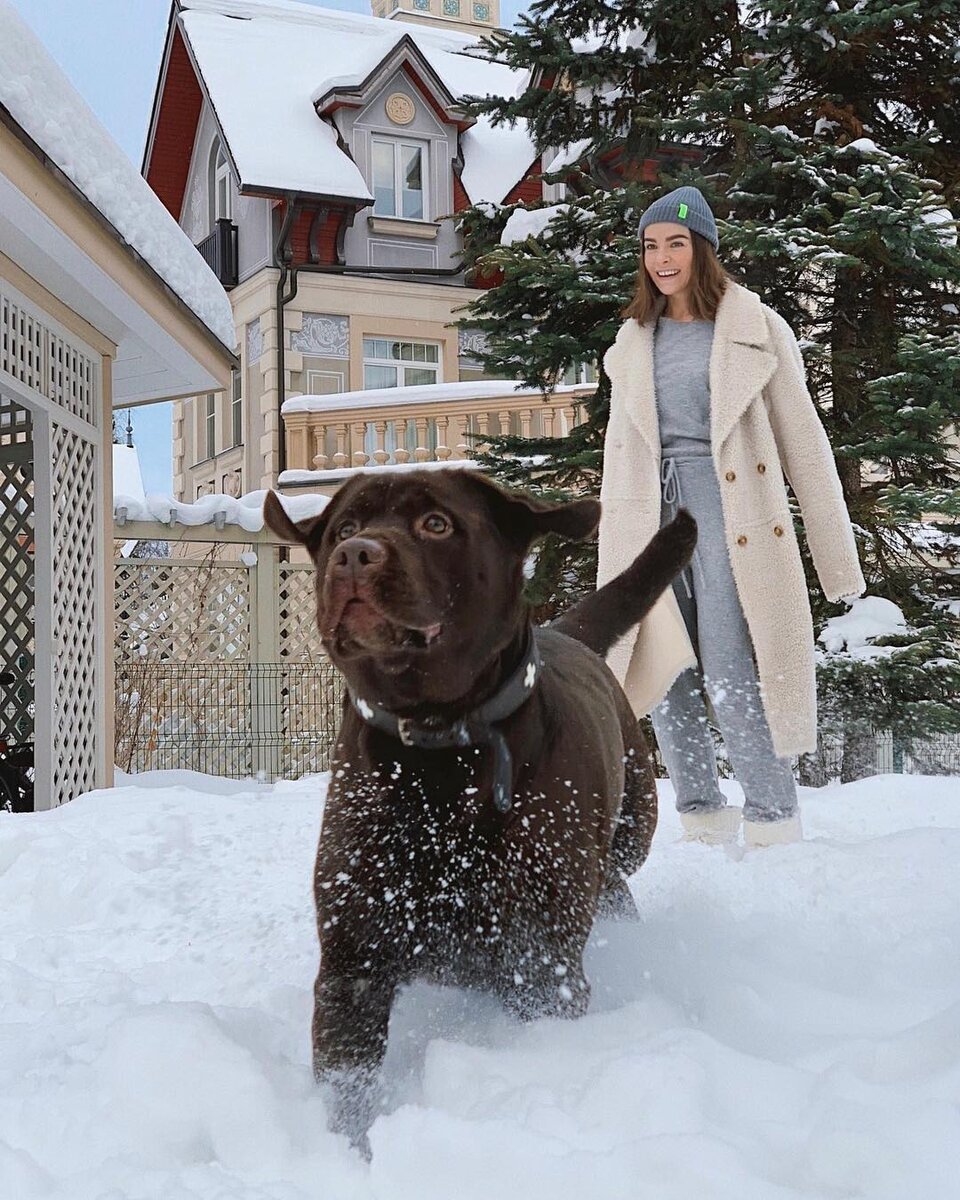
x=219 y=667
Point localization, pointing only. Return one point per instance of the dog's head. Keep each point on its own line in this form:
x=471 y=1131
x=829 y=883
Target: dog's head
x=419 y=577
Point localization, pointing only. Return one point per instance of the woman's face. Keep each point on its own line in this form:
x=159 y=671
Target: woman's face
x=668 y=256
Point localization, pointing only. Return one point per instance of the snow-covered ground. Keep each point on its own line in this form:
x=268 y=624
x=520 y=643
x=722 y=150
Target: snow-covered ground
x=784 y=1023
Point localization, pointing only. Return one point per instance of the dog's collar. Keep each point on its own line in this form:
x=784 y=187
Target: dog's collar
x=474 y=728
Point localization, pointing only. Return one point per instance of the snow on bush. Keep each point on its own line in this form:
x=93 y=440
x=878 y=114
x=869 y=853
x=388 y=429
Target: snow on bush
x=868 y=618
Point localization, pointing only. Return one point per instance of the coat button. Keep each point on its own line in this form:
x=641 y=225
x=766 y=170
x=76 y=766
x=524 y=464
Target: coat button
x=761 y=467
x=778 y=530
x=731 y=476
x=742 y=539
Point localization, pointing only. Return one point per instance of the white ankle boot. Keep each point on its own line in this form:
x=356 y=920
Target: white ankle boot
x=757 y=834
x=711 y=826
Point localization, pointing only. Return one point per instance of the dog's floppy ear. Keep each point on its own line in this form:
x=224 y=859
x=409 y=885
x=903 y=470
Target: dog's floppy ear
x=307 y=532
x=525 y=518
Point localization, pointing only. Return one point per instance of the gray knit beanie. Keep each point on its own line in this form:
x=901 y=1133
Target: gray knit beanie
x=683 y=206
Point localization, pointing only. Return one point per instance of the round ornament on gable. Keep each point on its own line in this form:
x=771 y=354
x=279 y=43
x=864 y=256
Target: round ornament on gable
x=400 y=109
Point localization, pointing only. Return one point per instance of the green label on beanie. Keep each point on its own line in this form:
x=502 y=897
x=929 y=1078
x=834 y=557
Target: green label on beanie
x=683 y=210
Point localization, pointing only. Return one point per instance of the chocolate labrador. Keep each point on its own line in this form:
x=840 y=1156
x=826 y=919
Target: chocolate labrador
x=491 y=787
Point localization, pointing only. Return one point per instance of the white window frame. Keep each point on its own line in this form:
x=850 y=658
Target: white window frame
x=236 y=409
x=402 y=365
x=220 y=173
x=396 y=144
x=210 y=425
x=580 y=372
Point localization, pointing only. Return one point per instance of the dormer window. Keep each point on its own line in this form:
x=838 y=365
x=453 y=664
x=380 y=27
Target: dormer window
x=399 y=174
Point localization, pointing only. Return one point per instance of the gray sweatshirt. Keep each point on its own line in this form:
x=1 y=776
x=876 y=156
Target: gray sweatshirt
x=681 y=376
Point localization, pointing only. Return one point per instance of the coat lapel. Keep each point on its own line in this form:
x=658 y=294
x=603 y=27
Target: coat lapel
x=633 y=368
x=741 y=363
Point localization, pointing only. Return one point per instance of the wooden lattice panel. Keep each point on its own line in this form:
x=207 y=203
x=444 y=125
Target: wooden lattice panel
x=179 y=612
x=75 y=522
x=71 y=378
x=17 y=645
x=46 y=362
x=299 y=638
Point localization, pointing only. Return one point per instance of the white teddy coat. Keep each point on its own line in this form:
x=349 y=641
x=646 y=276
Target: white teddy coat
x=763 y=425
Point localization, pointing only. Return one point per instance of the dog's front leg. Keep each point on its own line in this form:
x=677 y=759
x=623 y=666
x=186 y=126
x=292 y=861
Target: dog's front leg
x=350 y=1018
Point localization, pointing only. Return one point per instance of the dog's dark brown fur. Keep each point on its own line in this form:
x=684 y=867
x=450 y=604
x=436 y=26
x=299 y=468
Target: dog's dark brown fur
x=419 y=580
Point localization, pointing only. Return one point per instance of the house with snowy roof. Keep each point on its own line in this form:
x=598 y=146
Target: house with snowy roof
x=318 y=159
x=103 y=302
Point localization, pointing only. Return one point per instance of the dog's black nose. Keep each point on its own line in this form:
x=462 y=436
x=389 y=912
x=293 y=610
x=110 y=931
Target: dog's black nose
x=358 y=557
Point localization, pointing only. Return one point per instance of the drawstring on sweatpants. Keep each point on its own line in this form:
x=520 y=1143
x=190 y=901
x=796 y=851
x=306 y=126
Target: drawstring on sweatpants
x=670 y=485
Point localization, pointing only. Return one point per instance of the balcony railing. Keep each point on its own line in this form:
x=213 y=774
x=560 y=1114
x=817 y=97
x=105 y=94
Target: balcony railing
x=407 y=425
x=219 y=252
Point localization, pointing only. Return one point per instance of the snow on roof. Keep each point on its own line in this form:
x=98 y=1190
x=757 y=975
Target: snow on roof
x=262 y=77
x=426 y=393
x=48 y=108
x=218 y=510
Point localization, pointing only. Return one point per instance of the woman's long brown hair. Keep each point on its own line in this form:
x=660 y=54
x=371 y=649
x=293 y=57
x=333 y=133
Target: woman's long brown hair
x=707 y=284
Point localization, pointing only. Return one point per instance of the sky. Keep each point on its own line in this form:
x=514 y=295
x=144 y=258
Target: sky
x=110 y=51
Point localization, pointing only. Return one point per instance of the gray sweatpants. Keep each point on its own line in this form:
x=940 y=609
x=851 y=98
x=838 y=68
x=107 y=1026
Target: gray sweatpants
x=726 y=672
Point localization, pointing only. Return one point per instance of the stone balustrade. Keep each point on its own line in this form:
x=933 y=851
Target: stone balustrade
x=435 y=423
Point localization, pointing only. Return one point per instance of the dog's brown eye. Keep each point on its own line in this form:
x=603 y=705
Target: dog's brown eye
x=436 y=524
x=347 y=529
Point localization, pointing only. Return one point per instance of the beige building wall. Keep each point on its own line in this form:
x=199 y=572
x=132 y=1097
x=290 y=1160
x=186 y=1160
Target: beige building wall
x=372 y=307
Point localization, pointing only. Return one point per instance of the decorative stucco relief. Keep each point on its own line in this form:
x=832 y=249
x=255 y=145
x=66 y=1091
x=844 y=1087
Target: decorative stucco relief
x=323 y=335
x=254 y=342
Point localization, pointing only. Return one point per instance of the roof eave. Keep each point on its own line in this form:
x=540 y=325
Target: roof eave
x=8 y=120
x=158 y=91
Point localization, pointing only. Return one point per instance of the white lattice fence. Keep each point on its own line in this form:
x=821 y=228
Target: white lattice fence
x=298 y=636
x=75 y=612
x=177 y=611
x=17 y=640
x=220 y=667
x=52 y=374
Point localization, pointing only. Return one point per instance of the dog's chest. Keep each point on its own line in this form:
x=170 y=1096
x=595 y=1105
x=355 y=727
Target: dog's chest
x=437 y=880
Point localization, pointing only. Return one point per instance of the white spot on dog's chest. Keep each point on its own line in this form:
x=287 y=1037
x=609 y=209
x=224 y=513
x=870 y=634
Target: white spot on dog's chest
x=364 y=709
x=530 y=678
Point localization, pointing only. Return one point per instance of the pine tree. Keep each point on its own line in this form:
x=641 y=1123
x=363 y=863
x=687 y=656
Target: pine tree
x=827 y=136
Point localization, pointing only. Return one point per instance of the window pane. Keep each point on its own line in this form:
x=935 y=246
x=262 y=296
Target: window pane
x=406 y=351
x=384 y=183
x=415 y=376
x=431 y=354
x=411 y=166
x=379 y=377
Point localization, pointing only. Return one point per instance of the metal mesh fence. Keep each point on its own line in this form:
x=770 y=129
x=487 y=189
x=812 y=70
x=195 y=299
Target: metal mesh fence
x=269 y=720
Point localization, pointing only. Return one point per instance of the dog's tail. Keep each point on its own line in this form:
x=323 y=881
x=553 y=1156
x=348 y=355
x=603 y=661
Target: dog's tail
x=602 y=618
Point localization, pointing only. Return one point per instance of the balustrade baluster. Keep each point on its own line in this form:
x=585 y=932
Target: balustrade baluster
x=380 y=454
x=340 y=458
x=320 y=459
x=358 y=433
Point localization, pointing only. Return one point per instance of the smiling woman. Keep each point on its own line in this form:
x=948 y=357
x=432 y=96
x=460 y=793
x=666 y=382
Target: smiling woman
x=707 y=390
